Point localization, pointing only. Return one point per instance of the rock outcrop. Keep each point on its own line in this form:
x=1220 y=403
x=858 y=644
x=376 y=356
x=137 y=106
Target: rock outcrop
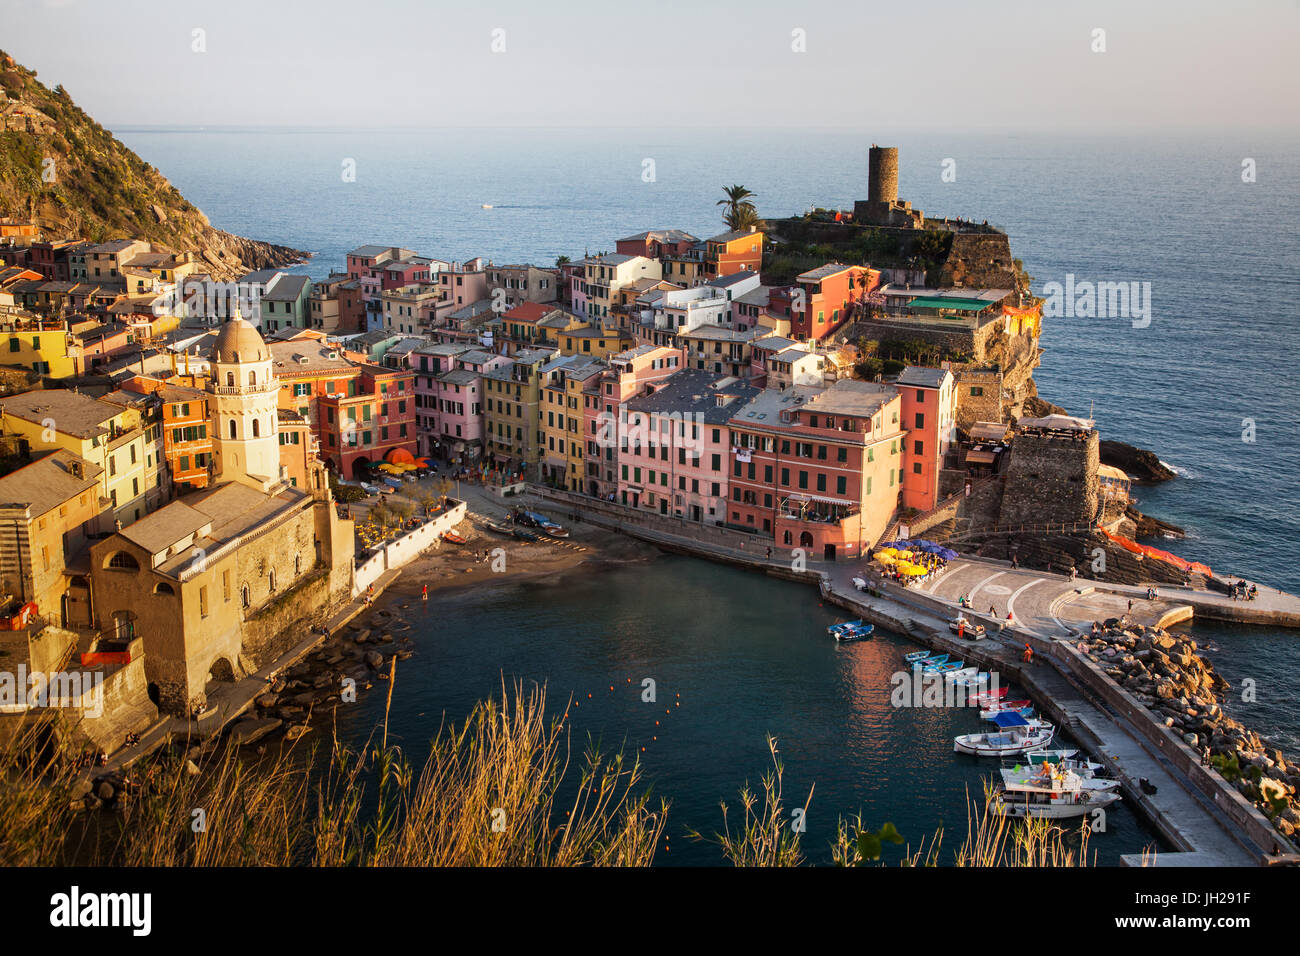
x=1182 y=689
x=73 y=178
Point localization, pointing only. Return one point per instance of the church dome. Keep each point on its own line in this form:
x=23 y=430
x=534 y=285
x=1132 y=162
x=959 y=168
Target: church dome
x=239 y=341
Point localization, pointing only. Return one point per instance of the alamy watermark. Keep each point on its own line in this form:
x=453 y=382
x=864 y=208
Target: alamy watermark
x=1084 y=299
x=22 y=690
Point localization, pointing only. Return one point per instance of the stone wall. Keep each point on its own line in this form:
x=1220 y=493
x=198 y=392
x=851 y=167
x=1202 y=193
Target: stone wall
x=401 y=551
x=1050 y=481
x=984 y=407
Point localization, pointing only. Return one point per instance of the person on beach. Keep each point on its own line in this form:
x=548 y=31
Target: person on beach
x=1015 y=564
x=424 y=592
x=1130 y=604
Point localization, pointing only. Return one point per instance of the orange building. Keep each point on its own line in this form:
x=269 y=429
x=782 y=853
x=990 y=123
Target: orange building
x=824 y=299
x=733 y=252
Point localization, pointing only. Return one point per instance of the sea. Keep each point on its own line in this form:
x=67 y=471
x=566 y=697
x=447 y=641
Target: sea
x=1207 y=225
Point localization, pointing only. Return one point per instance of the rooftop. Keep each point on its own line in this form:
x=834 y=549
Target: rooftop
x=73 y=414
x=48 y=482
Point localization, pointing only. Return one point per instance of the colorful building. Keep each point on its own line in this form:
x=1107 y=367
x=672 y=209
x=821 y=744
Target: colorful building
x=929 y=415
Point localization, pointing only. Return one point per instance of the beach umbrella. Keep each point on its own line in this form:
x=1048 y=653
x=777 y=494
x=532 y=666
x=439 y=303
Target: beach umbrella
x=948 y=554
x=885 y=558
x=904 y=554
x=914 y=571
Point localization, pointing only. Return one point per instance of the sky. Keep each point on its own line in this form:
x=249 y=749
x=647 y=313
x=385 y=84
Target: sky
x=1013 y=64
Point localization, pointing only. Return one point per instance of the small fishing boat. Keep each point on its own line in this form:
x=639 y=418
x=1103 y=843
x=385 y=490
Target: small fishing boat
x=961 y=673
x=943 y=668
x=992 y=695
x=915 y=656
x=835 y=628
x=1052 y=796
x=486 y=205
x=933 y=659
x=453 y=537
x=1025 y=712
x=988 y=712
x=555 y=531
x=1080 y=765
x=524 y=535
x=862 y=633
x=1015 y=735
x=501 y=529
x=972 y=681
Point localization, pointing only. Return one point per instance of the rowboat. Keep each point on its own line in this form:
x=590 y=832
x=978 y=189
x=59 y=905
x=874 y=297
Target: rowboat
x=1015 y=735
x=498 y=528
x=1025 y=712
x=523 y=535
x=862 y=633
x=932 y=659
x=972 y=681
x=453 y=537
x=989 y=711
x=961 y=673
x=1052 y=796
x=992 y=695
x=943 y=668
x=835 y=629
x=915 y=656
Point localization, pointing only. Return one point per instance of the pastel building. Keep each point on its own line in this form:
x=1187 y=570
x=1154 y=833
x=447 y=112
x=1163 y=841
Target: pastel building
x=929 y=400
x=817 y=469
x=674 y=458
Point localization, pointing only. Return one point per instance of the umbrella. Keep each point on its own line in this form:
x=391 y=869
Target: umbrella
x=885 y=558
x=889 y=552
x=913 y=570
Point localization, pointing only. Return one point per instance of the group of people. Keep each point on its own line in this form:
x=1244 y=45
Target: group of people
x=1241 y=591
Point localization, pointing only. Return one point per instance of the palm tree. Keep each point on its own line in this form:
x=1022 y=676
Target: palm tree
x=738 y=204
x=561 y=261
x=745 y=217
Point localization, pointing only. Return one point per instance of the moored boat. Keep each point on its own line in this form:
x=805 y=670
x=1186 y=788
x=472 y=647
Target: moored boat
x=498 y=528
x=934 y=659
x=1054 y=795
x=862 y=633
x=1014 y=736
x=453 y=537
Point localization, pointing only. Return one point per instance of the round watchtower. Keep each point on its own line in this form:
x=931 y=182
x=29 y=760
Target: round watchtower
x=882 y=174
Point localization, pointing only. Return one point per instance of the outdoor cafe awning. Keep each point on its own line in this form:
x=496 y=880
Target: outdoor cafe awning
x=797 y=497
x=981 y=457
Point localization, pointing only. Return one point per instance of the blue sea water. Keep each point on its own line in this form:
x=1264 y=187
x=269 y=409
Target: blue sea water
x=1222 y=257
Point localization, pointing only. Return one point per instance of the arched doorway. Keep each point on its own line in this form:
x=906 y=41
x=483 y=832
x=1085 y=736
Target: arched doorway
x=221 y=671
x=361 y=468
x=806 y=539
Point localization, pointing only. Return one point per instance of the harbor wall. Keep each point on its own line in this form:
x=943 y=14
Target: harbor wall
x=401 y=551
x=1172 y=748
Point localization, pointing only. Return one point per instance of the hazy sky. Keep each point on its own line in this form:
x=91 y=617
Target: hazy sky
x=925 y=63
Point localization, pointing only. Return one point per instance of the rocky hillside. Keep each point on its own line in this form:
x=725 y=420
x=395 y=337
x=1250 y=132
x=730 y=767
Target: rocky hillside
x=62 y=169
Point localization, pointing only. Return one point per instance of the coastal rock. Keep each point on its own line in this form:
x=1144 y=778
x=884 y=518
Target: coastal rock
x=374 y=659
x=1143 y=466
x=252 y=729
x=191 y=768
x=105 y=790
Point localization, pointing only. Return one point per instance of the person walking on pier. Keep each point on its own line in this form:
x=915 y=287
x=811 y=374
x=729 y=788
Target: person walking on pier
x=1029 y=654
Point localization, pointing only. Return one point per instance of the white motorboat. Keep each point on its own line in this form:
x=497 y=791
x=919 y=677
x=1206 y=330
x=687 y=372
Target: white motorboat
x=1014 y=736
x=1053 y=795
x=1080 y=765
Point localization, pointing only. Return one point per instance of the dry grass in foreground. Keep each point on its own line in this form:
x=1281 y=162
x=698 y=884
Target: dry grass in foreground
x=488 y=794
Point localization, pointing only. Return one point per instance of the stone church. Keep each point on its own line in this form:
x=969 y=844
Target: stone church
x=219 y=583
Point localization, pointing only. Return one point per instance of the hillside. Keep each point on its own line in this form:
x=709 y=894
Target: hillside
x=101 y=190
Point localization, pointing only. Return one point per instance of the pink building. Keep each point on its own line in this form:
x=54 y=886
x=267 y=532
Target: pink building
x=428 y=363
x=629 y=374
x=460 y=402
x=678 y=446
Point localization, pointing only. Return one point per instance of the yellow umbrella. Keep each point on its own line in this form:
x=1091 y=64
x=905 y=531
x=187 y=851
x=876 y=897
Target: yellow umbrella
x=904 y=554
x=885 y=558
x=889 y=551
x=914 y=571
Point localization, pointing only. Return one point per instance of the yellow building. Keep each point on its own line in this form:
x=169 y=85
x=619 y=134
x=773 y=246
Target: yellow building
x=47 y=510
x=41 y=345
x=594 y=342
x=110 y=437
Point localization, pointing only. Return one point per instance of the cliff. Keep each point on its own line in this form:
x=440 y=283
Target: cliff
x=61 y=169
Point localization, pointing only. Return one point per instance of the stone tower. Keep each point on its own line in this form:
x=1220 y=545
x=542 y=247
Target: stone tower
x=244 y=399
x=882 y=207
x=882 y=174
